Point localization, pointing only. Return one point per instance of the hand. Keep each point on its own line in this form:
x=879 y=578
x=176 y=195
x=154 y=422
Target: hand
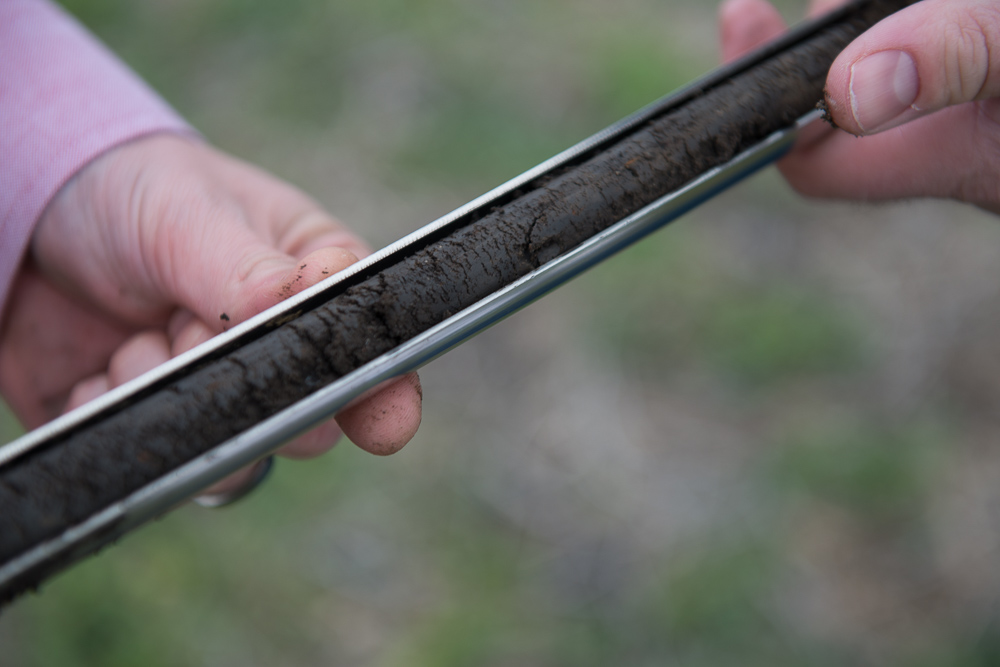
x=154 y=248
x=921 y=87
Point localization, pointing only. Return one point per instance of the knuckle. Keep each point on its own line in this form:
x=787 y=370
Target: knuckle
x=970 y=37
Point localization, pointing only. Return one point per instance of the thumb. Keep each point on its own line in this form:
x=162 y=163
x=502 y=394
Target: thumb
x=227 y=274
x=280 y=277
x=931 y=55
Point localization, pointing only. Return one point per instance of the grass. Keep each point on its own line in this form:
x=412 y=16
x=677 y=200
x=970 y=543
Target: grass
x=879 y=474
x=664 y=310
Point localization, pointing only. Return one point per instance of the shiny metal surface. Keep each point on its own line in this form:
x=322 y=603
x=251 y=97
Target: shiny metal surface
x=261 y=440
x=323 y=290
x=328 y=288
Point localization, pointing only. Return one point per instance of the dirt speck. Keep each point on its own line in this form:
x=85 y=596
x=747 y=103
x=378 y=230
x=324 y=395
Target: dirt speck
x=824 y=106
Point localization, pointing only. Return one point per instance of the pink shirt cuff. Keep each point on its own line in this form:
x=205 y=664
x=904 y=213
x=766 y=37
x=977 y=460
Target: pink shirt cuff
x=64 y=100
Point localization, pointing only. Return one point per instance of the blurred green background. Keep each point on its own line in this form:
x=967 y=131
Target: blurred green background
x=766 y=435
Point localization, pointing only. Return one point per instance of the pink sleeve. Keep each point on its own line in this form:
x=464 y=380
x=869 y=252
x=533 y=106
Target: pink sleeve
x=64 y=100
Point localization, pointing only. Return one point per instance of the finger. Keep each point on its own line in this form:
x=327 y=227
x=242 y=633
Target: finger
x=301 y=274
x=247 y=258
x=315 y=229
x=139 y=354
x=285 y=226
x=384 y=422
x=87 y=390
x=747 y=24
x=265 y=278
x=187 y=331
x=142 y=353
x=935 y=156
x=311 y=269
x=317 y=441
x=820 y=7
x=232 y=482
x=48 y=342
x=212 y=235
x=816 y=131
x=285 y=217
x=248 y=277
x=931 y=55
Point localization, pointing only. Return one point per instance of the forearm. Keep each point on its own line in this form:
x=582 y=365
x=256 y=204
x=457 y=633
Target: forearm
x=64 y=100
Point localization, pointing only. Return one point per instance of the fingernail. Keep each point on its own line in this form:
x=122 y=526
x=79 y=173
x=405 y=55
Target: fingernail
x=884 y=86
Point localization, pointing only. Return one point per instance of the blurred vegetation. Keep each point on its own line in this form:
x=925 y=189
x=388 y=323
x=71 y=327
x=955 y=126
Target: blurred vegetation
x=880 y=475
x=757 y=334
x=696 y=454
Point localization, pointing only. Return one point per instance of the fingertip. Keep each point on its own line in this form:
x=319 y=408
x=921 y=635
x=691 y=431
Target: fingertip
x=747 y=24
x=837 y=100
x=820 y=7
x=383 y=423
x=868 y=93
x=313 y=268
x=894 y=164
x=812 y=134
x=316 y=442
x=322 y=263
x=301 y=274
x=87 y=390
x=141 y=353
x=193 y=333
x=263 y=277
x=923 y=58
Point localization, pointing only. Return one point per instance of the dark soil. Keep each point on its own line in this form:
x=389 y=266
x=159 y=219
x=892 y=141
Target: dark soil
x=68 y=481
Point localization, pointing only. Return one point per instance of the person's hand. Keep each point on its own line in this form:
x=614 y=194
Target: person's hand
x=920 y=87
x=155 y=247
